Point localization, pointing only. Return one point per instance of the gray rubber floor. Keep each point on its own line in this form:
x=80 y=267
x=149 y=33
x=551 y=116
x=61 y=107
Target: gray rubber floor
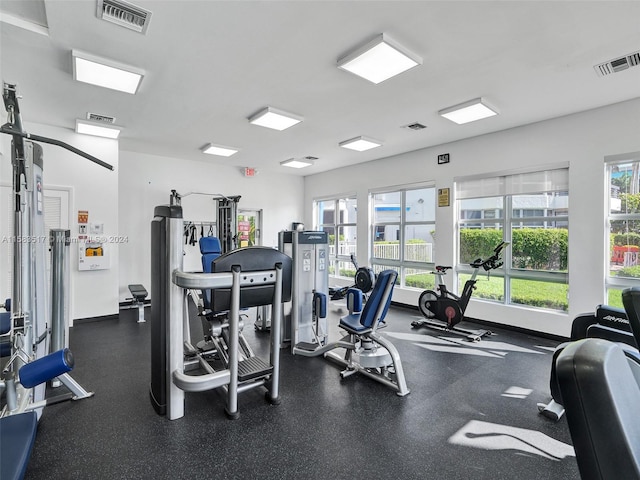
x=471 y=414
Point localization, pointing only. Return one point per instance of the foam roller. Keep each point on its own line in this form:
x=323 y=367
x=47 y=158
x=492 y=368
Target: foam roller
x=46 y=368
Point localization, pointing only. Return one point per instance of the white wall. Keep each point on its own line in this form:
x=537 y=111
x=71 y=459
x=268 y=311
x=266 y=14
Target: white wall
x=582 y=140
x=147 y=180
x=92 y=188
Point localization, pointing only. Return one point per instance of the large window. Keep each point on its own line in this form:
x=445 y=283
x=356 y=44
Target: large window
x=338 y=217
x=624 y=227
x=530 y=211
x=403 y=234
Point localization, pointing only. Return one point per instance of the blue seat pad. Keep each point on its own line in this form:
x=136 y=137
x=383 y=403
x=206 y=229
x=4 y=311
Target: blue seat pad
x=352 y=322
x=5 y=323
x=17 y=435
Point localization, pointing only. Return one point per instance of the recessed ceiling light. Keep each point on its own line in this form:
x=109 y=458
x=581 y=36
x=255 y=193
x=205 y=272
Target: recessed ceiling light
x=379 y=59
x=273 y=118
x=297 y=163
x=88 y=128
x=470 y=111
x=105 y=73
x=219 y=150
x=360 y=144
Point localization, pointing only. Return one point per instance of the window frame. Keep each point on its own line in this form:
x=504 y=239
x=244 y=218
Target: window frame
x=335 y=258
x=508 y=222
x=400 y=264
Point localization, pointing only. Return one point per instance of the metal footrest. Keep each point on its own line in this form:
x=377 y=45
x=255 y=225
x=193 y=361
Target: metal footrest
x=308 y=346
x=253 y=367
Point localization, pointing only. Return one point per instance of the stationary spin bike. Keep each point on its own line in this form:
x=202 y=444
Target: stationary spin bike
x=444 y=310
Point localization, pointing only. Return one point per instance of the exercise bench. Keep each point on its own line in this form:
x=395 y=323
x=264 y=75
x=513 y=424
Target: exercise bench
x=139 y=294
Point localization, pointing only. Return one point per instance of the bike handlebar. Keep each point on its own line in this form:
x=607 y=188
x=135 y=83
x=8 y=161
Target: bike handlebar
x=491 y=263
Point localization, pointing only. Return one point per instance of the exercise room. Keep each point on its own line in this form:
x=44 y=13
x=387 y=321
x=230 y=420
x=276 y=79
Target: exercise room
x=319 y=239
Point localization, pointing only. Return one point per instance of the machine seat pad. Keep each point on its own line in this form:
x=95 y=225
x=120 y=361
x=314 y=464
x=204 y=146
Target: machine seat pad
x=5 y=323
x=138 y=291
x=351 y=323
x=17 y=435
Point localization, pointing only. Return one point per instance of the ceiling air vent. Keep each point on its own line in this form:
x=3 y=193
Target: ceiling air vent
x=309 y=157
x=124 y=14
x=96 y=117
x=415 y=126
x=618 y=64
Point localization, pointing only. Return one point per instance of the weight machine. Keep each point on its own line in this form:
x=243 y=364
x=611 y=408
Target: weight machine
x=32 y=324
x=226 y=216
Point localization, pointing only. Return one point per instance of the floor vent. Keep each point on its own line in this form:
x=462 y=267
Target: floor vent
x=124 y=14
x=416 y=126
x=618 y=64
x=96 y=117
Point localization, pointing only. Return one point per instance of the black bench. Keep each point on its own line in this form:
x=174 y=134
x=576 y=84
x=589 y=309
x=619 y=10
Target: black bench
x=139 y=294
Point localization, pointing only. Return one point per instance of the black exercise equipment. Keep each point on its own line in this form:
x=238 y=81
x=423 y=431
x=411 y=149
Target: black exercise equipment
x=607 y=323
x=443 y=309
x=364 y=279
x=601 y=393
x=139 y=296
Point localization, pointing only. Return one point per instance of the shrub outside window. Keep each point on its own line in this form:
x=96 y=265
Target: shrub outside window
x=531 y=213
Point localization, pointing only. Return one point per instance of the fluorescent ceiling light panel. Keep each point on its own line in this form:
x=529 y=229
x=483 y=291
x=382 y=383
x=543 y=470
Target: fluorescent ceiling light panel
x=379 y=59
x=470 y=111
x=88 y=128
x=360 y=144
x=219 y=150
x=293 y=163
x=105 y=73
x=273 y=118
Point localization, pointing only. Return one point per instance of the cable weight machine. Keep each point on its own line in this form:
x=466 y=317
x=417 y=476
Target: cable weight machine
x=32 y=323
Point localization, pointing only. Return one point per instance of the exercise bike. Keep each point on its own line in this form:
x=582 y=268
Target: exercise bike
x=444 y=310
x=364 y=280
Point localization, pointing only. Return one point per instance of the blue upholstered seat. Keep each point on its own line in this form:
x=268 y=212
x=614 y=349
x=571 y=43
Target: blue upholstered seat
x=17 y=435
x=372 y=314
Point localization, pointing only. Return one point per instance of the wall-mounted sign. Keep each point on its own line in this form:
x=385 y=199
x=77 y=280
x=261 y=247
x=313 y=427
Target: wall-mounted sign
x=443 y=197
x=444 y=158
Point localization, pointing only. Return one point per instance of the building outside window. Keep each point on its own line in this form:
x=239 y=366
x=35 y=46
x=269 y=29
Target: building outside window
x=403 y=234
x=342 y=232
x=530 y=211
x=624 y=227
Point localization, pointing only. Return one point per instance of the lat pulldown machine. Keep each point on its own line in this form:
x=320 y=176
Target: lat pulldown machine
x=31 y=322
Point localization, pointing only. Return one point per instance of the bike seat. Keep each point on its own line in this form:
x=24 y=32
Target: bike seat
x=441 y=269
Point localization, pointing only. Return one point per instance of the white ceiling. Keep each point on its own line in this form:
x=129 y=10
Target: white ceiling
x=211 y=64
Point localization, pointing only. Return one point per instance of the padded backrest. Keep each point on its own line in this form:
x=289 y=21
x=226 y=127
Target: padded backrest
x=210 y=249
x=376 y=307
x=601 y=397
x=631 y=302
x=251 y=259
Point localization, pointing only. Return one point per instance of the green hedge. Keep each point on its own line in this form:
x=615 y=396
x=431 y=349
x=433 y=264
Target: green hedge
x=531 y=248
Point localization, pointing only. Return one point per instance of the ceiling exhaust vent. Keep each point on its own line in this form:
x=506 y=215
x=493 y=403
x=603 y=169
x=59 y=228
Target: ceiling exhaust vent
x=618 y=64
x=415 y=126
x=309 y=157
x=96 y=117
x=124 y=14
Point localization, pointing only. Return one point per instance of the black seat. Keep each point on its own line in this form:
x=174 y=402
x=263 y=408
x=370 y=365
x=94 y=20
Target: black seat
x=601 y=395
